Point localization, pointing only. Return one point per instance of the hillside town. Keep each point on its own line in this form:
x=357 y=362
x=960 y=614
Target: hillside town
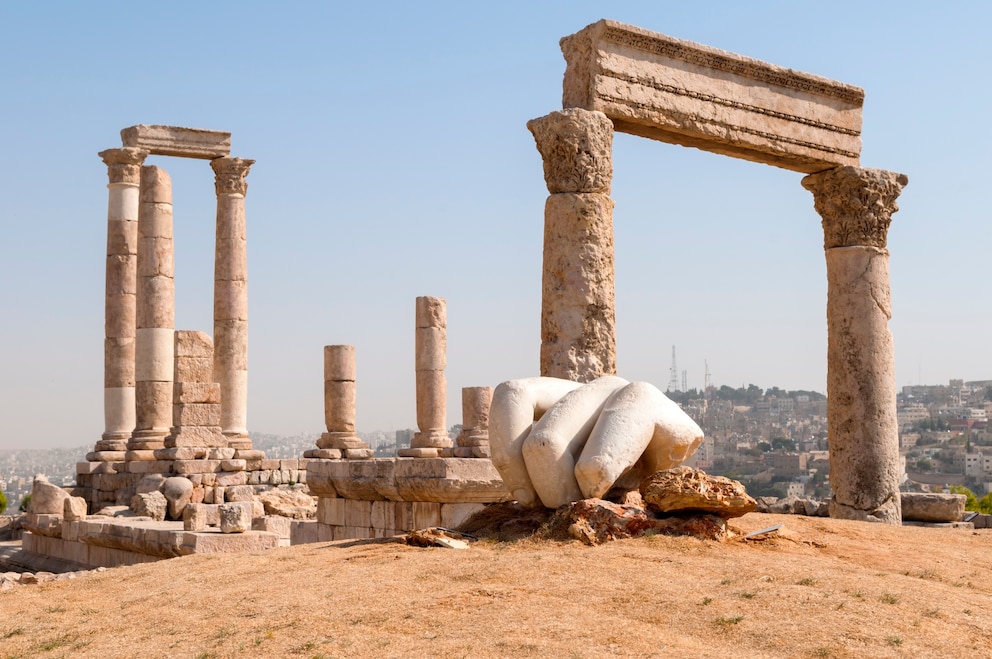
x=772 y=440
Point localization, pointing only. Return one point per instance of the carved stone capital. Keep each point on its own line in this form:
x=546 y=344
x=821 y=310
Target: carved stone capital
x=124 y=164
x=577 y=148
x=230 y=173
x=855 y=204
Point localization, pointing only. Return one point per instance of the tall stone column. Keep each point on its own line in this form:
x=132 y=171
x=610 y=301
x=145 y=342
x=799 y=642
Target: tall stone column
x=340 y=394
x=124 y=171
x=231 y=299
x=155 y=318
x=578 y=318
x=431 y=358
x=856 y=206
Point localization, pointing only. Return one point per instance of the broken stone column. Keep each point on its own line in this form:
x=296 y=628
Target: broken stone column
x=340 y=440
x=473 y=441
x=856 y=206
x=196 y=401
x=578 y=320
x=431 y=353
x=155 y=316
x=124 y=172
x=231 y=299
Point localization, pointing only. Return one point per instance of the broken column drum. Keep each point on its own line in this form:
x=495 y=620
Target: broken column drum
x=231 y=298
x=473 y=441
x=155 y=315
x=124 y=172
x=340 y=395
x=856 y=206
x=578 y=322
x=430 y=359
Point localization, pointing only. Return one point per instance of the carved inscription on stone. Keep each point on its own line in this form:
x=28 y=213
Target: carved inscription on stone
x=677 y=91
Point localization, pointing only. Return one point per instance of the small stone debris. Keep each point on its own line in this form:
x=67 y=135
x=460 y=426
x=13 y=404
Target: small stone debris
x=436 y=537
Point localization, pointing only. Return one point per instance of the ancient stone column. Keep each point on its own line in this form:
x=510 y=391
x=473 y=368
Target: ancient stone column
x=124 y=171
x=231 y=299
x=473 y=441
x=578 y=320
x=856 y=206
x=431 y=354
x=155 y=317
x=340 y=440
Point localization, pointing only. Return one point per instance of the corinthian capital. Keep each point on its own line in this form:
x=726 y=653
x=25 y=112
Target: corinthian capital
x=577 y=148
x=855 y=204
x=124 y=164
x=230 y=173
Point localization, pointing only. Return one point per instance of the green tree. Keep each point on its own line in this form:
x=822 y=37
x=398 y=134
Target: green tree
x=985 y=504
x=3 y=502
x=25 y=503
x=970 y=501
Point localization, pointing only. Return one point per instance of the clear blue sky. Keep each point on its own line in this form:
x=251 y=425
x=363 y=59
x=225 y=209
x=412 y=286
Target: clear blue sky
x=394 y=161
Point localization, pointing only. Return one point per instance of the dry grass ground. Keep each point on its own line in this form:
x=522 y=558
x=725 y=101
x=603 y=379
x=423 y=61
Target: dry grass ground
x=821 y=588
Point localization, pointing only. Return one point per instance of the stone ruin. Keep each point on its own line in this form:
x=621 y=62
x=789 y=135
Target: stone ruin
x=176 y=401
x=620 y=77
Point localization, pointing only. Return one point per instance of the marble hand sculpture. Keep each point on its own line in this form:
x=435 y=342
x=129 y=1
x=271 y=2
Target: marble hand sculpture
x=557 y=441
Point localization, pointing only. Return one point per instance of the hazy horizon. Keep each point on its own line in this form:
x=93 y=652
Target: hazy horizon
x=393 y=161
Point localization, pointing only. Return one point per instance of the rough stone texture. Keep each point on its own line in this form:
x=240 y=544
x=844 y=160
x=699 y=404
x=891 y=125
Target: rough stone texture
x=684 y=489
x=47 y=499
x=578 y=300
x=194 y=517
x=594 y=521
x=150 y=504
x=178 y=141
x=577 y=148
x=441 y=480
x=932 y=507
x=856 y=207
x=288 y=503
x=178 y=491
x=74 y=509
x=676 y=91
x=340 y=393
x=235 y=517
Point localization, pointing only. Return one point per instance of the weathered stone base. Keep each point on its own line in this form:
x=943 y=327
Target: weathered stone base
x=385 y=497
x=109 y=542
x=441 y=480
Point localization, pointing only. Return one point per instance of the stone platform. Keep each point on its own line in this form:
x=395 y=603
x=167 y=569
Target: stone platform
x=111 y=541
x=358 y=499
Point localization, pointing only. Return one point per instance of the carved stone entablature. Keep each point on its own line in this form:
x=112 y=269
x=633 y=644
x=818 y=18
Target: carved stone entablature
x=577 y=148
x=124 y=165
x=856 y=204
x=681 y=92
x=178 y=141
x=230 y=175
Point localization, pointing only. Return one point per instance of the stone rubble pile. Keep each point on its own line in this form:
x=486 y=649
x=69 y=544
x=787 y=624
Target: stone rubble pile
x=679 y=501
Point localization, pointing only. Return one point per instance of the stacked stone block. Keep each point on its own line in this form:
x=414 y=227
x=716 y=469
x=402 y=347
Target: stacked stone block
x=473 y=441
x=340 y=440
x=431 y=354
x=196 y=431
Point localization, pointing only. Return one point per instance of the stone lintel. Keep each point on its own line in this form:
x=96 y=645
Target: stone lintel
x=178 y=141
x=681 y=92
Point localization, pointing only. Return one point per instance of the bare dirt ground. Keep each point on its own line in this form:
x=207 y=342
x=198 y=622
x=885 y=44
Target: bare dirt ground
x=820 y=588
